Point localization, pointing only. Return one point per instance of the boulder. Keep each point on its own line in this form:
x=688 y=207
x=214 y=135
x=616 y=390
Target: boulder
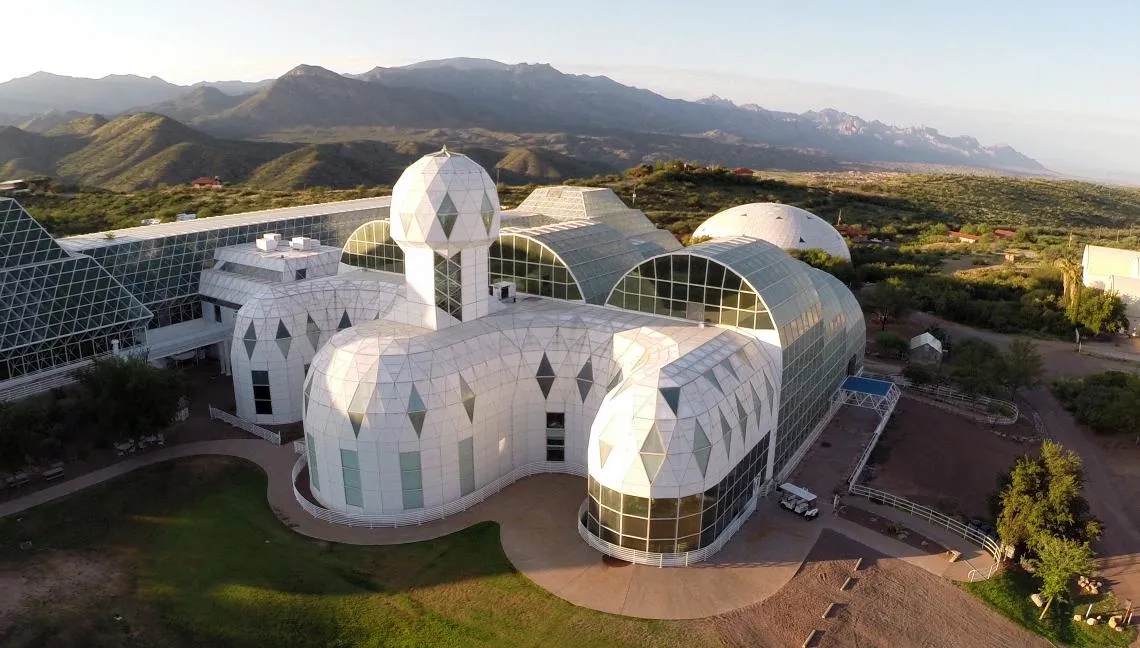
x=1036 y=598
x=1091 y=621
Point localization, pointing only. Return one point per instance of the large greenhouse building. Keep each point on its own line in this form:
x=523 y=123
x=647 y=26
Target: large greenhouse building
x=436 y=347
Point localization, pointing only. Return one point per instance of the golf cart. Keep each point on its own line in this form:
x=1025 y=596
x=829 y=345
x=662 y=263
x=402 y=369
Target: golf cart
x=799 y=501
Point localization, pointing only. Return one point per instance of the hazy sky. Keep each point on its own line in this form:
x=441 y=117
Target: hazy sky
x=1070 y=56
x=1010 y=56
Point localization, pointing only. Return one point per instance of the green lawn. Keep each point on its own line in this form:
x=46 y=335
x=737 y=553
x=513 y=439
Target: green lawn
x=210 y=565
x=1009 y=593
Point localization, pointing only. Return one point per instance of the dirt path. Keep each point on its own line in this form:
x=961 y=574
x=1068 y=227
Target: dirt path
x=891 y=603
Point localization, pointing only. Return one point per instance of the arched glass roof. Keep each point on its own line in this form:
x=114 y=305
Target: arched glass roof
x=735 y=282
x=587 y=257
x=371 y=246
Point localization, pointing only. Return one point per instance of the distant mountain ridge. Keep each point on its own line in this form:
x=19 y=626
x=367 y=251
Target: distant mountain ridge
x=491 y=104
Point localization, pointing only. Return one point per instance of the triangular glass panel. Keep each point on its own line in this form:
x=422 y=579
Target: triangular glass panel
x=672 y=396
x=604 y=450
x=487 y=213
x=250 y=345
x=727 y=364
x=768 y=388
x=417 y=419
x=545 y=384
x=415 y=403
x=743 y=416
x=587 y=372
x=447 y=214
x=250 y=333
x=282 y=332
x=756 y=404
x=356 y=419
x=652 y=442
x=652 y=464
x=614 y=381
x=710 y=376
x=314 y=339
x=584 y=389
x=468 y=396
x=344 y=321
x=726 y=432
x=702 y=456
x=284 y=344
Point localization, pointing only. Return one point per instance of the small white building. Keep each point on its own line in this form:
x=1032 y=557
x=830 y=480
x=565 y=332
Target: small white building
x=1116 y=270
x=925 y=349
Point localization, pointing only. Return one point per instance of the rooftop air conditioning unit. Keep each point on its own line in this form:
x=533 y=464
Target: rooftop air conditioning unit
x=503 y=290
x=185 y=217
x=304 y=243
x=268 y=243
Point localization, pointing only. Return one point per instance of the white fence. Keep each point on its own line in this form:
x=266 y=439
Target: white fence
x=255 y=430
x=424 y=515
x=683 y=559
x=984 y=406
x=930 y=515
x=867 y=452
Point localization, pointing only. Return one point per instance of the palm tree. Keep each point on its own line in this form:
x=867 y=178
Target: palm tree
x=1071 y=274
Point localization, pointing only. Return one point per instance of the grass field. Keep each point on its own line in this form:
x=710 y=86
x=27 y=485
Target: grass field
x=204 y=562
x=1009 y=594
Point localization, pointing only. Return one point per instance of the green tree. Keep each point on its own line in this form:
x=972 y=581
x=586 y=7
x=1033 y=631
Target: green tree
x=1071 y=272
x=1023 y=365
x=125 y=398
x=892 y=345
x=1059 y=561
x=889 y=300
x=1043 y=500
x=1107 y=402
x=977 y=367
x=1097 y=310
x=921 y=374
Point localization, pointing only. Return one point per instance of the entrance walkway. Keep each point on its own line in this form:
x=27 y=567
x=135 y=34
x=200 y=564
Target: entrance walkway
x=538 y=533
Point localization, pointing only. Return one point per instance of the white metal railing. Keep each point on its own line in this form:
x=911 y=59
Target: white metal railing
x=993 y=547
x=432 y=514
x=983 y=574
x=955 y=397
x=681 y=559
x=869 y=449
x=256 y=430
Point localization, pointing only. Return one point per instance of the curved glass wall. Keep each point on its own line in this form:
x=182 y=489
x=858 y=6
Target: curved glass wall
x=371 y=246
x=694 y=288
x=535 y=268
x=674 y=525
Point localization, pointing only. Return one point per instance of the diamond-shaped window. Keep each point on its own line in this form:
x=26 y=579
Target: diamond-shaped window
x=358 y=407
x=545 y=376
x=313 y=332
x=743 y=416
x=284 y=340
x=756 y=405
x=468 y=396
x=711 y=377
x=726 y=431
x=344 y=321
x=672 y=396
x=701 y=448
x=771 y=394
x=250 y=340
x=447 y=214
x=487 y=212
x=614 y=381
x=585 y=380
x=652 y=453
x=416 y=411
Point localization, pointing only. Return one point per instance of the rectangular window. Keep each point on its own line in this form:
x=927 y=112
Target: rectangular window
x=350 y=473
x=411 y=480
x=262 y=399
x=217 y=313
x=467 y=466
x=314 y=477
x=556 y=436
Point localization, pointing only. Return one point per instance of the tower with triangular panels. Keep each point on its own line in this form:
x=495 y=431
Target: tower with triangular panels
x=444 y=215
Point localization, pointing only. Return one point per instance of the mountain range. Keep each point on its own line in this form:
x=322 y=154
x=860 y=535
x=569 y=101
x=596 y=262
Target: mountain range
x=531 y=121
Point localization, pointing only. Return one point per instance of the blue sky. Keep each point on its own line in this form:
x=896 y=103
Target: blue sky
x=1012 y=56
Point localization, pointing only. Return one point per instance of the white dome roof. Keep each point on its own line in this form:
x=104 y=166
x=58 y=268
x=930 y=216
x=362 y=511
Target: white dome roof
x=446 y=202
x=789 y=227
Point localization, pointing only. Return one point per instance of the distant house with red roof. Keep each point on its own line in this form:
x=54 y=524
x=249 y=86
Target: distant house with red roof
x=964 y=237
x=743 y=171
x=1004 y=233
x=207 y=183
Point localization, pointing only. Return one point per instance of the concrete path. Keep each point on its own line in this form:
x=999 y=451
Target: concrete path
x=538 y=533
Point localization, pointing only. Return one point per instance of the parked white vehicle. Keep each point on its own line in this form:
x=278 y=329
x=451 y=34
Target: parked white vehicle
x=798 y=500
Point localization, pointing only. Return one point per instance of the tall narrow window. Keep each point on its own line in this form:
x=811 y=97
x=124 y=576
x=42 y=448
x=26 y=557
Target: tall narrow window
x=350 y=472
x=314 y=476
x=466 y=466
x=556 y=436
x=411 y=481
x=217 y=313
x=262 y=400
